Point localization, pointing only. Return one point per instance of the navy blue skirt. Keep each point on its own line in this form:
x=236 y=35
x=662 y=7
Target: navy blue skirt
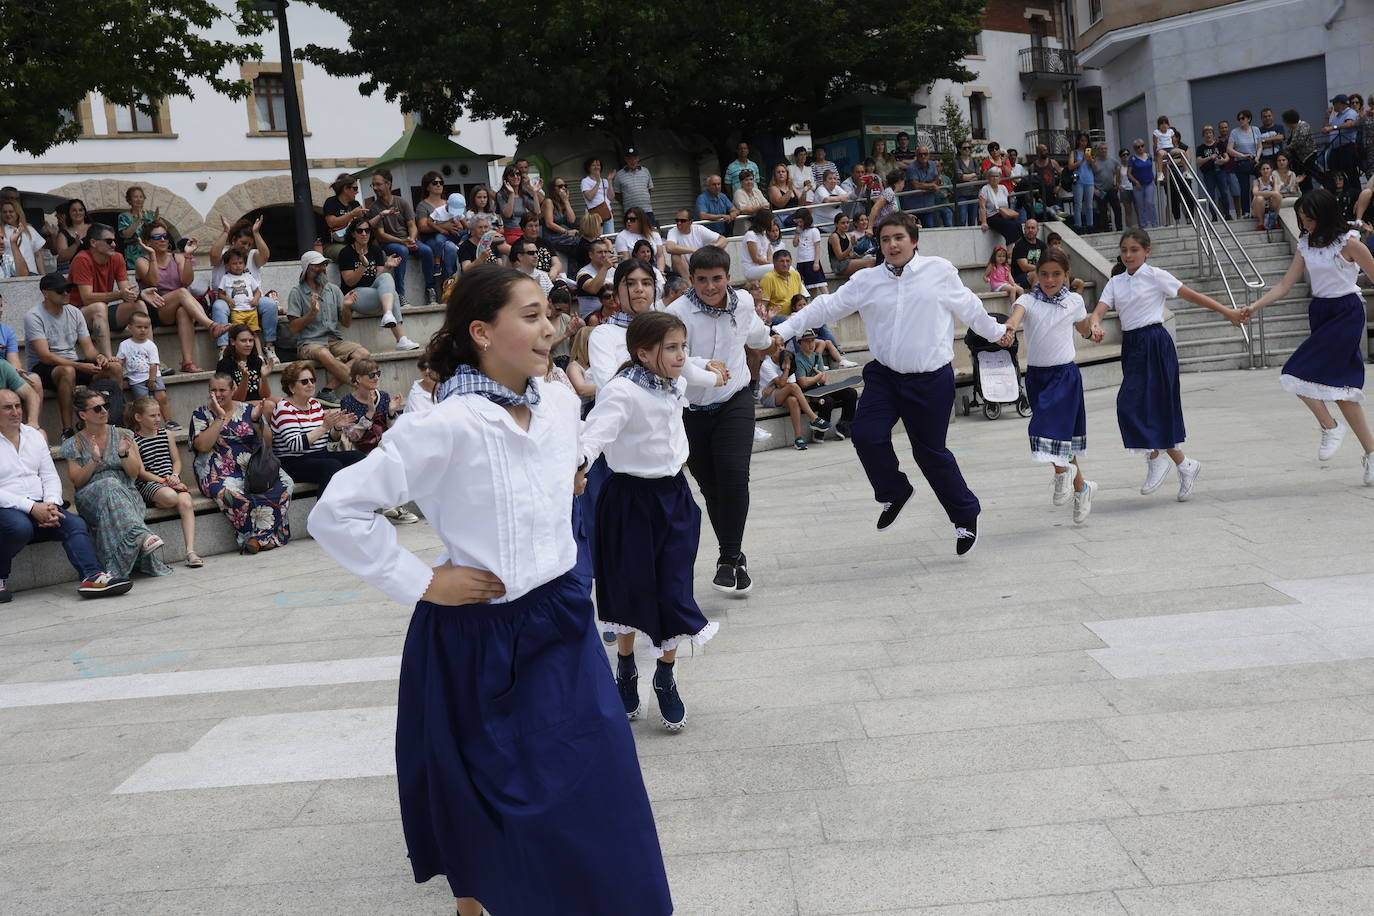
x=1328 y=365
x=516 y=769
x=1059 y=420
x=647 y=533
x=1149 y=406
x=810 y=276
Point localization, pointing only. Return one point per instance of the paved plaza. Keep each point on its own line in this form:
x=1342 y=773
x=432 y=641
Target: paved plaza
x=1167 y=710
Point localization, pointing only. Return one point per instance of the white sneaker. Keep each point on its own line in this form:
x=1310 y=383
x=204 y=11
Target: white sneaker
x=1156 y=469
x=405 y=343
x=848 y=363
x=1369 y=470
x=1063 y=486
x=1187 y=476
x=388 y=319
x=1083 y=502
x=1331 y=440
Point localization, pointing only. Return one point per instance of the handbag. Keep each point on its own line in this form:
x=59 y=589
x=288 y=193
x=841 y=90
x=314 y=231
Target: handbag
x=603 y=209
x=264 y=468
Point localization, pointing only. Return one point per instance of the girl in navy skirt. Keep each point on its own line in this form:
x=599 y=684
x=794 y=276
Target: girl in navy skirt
x=508 y=724
x=1059 y=423
x=809 y=252
x=1328 y=366
x=1149 y=407
x=648 y=524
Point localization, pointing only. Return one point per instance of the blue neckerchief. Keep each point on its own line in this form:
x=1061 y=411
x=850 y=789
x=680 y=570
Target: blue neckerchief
x=731 y=297
x=647 y=380
x=470 y=380
x=897 y=271
x=1060 y=298
x=620 y=319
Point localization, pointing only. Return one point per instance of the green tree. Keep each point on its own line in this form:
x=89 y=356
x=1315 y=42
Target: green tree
x=133 y=51
x=955 y=130
x=696 y=66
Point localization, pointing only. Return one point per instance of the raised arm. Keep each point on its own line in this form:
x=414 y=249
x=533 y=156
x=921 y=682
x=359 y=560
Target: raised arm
x=821 y=310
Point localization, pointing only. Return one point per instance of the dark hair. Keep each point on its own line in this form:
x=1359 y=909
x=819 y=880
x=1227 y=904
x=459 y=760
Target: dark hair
x=623 y=271
x=994 y=146
x=803 y=215
x=384 y=174
x=292 y=373
x=480 y=293
x=491 y=199
x=781 y=253
x=146 y=233
x=894 y=176
x=351 y=231
x=1290 y=116
x=560 y=295
x=429 y=176
x=361 y=367
x=1137 y=235
x=1244 y=113
x=587 y=163
x=1162 y=119
x=234 y=254
x=902 y=218
x=642 y=243
x=230 y=336
x=1322 y=208
x=529 y=217
x=129 y=193
x=642 y=217
x=709 y=258
x=344 y=180
x=1054 y=256
x=81 y=399
x=646 y=331
x=64 y=209
x=1052 y=238
x=97 y=232
x=761 y=220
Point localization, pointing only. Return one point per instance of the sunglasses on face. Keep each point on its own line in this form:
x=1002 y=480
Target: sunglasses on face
x=374 y=375
x=109 y=240
x=307 y=380
x=438 y=181
x=98 y=408
x=559 y=187
x=157 y=238
x=605 y=295
x=682 y=220
x=363 y=229
x=632 y=219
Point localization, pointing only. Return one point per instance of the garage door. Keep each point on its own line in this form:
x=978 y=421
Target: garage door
x=1131 y=124
x=1297 y=84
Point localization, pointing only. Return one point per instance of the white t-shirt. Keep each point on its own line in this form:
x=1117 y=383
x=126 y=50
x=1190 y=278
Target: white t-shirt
x=418 y=400
x=625 y=240
x=696 y=238
x=1049 y=328
x=825 y=216
x=600 y=184
x=138 y=359
x=1329 y=272
x=1139 y=298
x=761 y=244
x=993 y=198
x=770 y=370
x=801 y=176
x=237 y=290
x=1164 y=139
x=808 y=240
x=254 y=269
x=30 y=246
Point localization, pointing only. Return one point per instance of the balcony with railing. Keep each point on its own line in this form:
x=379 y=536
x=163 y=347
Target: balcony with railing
x=1060 y=141
x=1041 y=65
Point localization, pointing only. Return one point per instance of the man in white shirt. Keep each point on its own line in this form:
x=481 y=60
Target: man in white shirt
x=720 y=420
x=908 y=304
x=31 y=505
x=685 y=238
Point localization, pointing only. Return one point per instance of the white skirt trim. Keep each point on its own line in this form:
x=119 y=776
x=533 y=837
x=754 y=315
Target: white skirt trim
x=1317 y=391
x=1060 y=461
x=1146 y=451
x=699 y=638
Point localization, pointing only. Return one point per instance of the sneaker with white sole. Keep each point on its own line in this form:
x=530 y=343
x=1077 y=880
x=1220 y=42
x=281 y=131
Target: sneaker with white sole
x=103 y=585
x=405 y=343
x=1156 y=469
x=1083 y=502
x=892 y=510
x=848 y=363
x=401 y=516
x=1331 y=441
x=1063 y=486
x=1369 y=470
x=966 y=538
x=1187 y=476
x=389 y=318
x=671 y=709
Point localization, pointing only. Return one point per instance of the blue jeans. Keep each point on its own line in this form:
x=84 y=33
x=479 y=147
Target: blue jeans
x=1145 y=206
x=267 y=317
x=423 y=252
x=943 y=217
x=968 y=212
x=18 y=530
x=1215 y=185
x=1083 y=204
x=445 y=252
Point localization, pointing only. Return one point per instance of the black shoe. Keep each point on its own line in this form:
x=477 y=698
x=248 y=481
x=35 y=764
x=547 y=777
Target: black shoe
x=892 y=510
x=743 y=583
x=670 y=705
x=725 y=577
x=799 y=443
x=820 y=425
x=627 y=685
x=842 y=430
x=966 y=538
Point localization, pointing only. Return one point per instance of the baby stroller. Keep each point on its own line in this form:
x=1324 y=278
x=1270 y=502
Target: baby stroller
x=996 y=377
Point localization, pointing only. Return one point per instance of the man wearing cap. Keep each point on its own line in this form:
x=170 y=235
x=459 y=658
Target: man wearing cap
x=59 y=350
x=1343 y=154
x=315 y=310
x=634 y=183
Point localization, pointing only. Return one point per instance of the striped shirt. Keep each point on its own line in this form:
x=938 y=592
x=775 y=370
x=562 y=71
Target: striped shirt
x=156 y=452
x=290 y=426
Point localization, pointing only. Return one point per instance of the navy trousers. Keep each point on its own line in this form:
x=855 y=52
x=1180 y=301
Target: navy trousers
x=18 y=530
x=922 y=401
x=722 y=444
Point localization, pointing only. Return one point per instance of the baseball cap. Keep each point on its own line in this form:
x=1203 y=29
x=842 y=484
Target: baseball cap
x=55 y=282
x=1341 y=99
x=631 y=151
x=808 y=334
x=457 y=203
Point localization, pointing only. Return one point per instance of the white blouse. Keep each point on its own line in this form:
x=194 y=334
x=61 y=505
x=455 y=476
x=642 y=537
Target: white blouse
x=1139 y=297
x=607 y=353
x=1049 y=329
x=640 y=431
x=720 y=338
x=499 y=497
x=1330 y=273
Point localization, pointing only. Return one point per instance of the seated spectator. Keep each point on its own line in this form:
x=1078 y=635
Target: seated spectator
x=686 y=237
x=159 y=480
x=998 y=275
x=675 y=287
x=882 y=159
x=758 y=250
x=826 y=344
x=859 y=187
x=1266 y=200
x=812 y=372
x=164 y=279
x=644 y=251
x=864 y=244
x=131 y=222
x=21 y=245
x=781 y=284
x=994 y=211
x=559 y=225
x=245 y=368
x=241 y=292
x=778 y=388
x=315 y=310
x=607 y=307
x=598 y=193
x=31 y=507
x=303 y=431
x=28 y=386
x=101 y=287
x=371 y=275
x=578 y=368
x=421 y=395
x=886 y=201
x=1055 y=242
x=59 y=350
x=143 y=366
x=544 y=258
x=713 y=202
x=373 y=411
x=481 y=245
x=1025 y=254
x=829 y=199
x=799 y=173
x=224 y=434
x=842 y=259
x=566 y=324
x=1289 y=182
x=72 y=226
x=639 y=229
x=102 y=464
x=341 y=211
x=524 y=256
x=749 y=200
x=394 y=231
x=782 y=196
x=439 y=226
x=595 y=278
x=247 y=239
x=483 y=206
x=514 y=199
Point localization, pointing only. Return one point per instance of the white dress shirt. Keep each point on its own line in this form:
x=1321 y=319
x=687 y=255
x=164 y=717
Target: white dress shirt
x=1139 y=297
x=499 y=497
x=640 y=431
x=910 y=319
x=1049 y=328
x=27 y=474
x=723 y=339
x=607 y=353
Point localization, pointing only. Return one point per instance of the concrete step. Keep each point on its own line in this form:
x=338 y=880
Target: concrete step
x=1255 y=246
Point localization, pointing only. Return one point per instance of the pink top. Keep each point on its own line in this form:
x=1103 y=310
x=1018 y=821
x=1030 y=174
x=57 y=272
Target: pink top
x=169 y=277
x=998 y=275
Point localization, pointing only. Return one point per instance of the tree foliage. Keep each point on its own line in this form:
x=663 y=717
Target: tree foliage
x=955 y=130
x=697 y=66
x=133 y=52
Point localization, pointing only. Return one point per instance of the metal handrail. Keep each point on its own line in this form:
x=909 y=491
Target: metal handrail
x=1211 y=245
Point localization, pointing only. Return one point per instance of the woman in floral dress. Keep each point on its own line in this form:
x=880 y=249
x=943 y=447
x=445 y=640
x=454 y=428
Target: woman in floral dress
x=223 y=435
x=102 y=464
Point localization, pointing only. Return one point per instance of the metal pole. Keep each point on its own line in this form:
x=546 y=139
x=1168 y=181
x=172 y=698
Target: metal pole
x=295 y=139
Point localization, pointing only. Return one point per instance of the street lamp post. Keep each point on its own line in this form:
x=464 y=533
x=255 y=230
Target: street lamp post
x=295 y=134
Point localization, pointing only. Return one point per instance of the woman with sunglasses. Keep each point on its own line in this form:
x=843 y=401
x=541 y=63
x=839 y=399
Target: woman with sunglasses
x=102 y=463
x=558 y=223
x=607 y=310
x=366 y=271
x=637 y=229
x=340 y=211
x=164 y=280
x=304 y=434
x=375 y=411
x=441 y=235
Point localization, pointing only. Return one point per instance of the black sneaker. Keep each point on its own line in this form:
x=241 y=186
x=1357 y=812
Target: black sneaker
x=841 y=430
x=725 y=577
x=743 y=583
x=799 y=444
x=820 y=425
x=892 y=510
x=670 y=705
x=966 y=538
x=627 y=684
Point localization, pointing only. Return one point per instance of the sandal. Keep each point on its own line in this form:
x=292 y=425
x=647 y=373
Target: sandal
x=150 y=543
x=190 y=367
x=250 y=546
x=193 y=560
